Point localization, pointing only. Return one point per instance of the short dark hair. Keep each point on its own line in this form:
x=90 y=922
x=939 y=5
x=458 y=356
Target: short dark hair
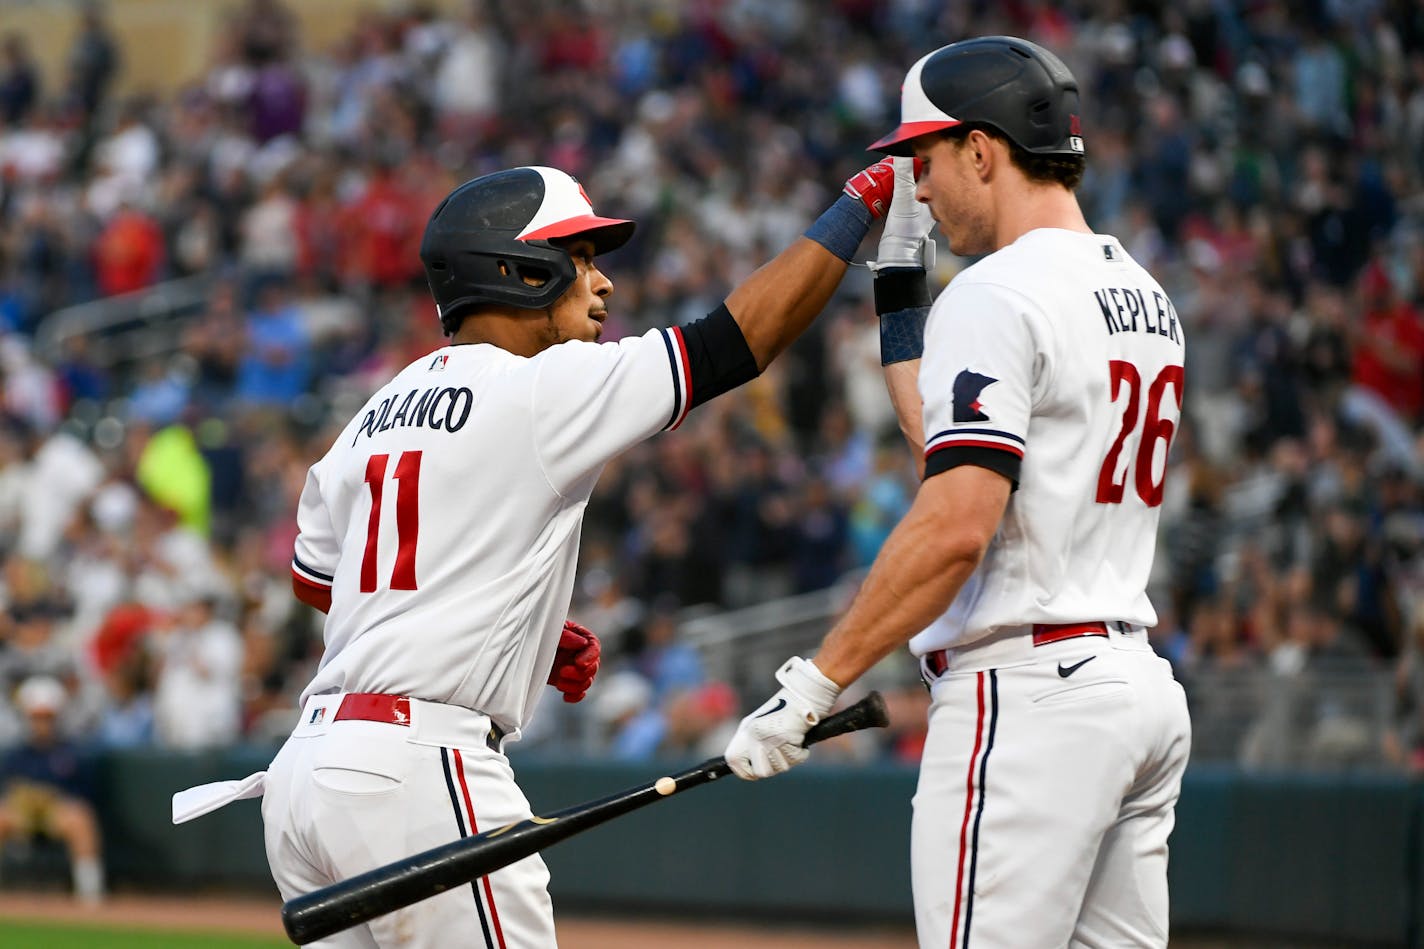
x=1065 y=170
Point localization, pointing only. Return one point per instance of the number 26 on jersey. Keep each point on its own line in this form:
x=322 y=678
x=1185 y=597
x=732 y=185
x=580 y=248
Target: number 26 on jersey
x=1156 y=429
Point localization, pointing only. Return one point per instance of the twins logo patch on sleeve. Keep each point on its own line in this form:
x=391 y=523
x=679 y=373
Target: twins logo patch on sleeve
x=968 y=386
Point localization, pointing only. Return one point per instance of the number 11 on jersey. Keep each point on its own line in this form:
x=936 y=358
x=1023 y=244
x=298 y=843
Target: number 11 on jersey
x=407 y=476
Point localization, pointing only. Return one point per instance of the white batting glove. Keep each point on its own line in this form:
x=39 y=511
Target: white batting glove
x=768 y=741
x=905 y=240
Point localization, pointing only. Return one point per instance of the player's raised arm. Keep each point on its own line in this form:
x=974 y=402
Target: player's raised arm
x=902 y=301
x=776 y=303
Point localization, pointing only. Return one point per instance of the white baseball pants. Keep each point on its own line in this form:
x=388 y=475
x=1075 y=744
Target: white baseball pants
x=1046 y=797
x=344 y=797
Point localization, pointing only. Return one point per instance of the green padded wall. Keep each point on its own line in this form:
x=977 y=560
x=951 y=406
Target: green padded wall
x=1324 y=857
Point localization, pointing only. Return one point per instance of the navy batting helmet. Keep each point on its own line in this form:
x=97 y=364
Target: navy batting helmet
x=493 y=232
x=1017 y=87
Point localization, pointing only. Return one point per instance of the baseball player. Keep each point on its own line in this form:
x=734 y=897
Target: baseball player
x=440 y=534
x=1050 y=381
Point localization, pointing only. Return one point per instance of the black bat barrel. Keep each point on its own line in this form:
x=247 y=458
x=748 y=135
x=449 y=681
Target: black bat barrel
x=388 y=888
x=426 y=874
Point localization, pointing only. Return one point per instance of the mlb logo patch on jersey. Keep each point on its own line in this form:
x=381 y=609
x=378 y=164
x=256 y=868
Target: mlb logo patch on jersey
x=438 y=363
x=317 y=715
x=968 y=385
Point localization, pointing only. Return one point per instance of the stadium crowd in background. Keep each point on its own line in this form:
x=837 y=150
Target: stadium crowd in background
x=1265 y=159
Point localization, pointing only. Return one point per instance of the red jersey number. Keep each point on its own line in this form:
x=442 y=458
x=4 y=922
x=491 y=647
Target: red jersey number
x=407 y=476
x=1155 y=429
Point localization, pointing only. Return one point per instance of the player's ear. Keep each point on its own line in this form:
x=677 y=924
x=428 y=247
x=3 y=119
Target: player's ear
x=980 y=146
x=531 y=275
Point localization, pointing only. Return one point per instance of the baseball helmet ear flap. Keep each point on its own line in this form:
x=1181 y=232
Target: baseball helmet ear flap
x=531 y=277
x=491 y=241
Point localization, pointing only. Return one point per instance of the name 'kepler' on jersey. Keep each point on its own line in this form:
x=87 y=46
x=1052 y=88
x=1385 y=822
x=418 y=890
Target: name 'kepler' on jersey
x=1126 y=308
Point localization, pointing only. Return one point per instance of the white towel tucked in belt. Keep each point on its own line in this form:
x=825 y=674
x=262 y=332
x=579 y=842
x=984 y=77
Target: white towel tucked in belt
x=206 y=798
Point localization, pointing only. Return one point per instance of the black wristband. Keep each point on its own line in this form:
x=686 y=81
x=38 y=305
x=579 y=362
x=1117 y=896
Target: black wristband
x=902 y=334
x=901 y=288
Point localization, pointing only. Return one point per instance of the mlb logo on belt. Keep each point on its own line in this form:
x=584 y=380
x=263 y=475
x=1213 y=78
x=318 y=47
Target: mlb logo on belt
x=438 y=363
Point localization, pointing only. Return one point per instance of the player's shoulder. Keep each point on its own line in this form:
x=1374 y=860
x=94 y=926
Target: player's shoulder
x=458 y=358
x=1004 y=279
x=1044 y=265
x=455 y=367
x=573 y=354
x=1025 y=264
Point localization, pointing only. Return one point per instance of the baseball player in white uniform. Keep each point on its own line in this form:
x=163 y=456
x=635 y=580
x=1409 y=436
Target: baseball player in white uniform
x=1049 y=386
x=440 y=535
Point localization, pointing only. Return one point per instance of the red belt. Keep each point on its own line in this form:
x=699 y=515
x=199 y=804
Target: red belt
x=374 y=707
x=937 y=661
x=391 y=710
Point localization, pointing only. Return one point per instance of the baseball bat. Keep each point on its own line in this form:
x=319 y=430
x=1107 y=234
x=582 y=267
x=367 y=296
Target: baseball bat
x=331 y=909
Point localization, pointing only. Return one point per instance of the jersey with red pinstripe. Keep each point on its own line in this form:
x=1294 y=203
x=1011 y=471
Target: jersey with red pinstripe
x=1057 y=360
x=445 y=518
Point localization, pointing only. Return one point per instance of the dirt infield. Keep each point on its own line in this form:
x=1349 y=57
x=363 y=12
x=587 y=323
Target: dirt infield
x=246 y=915
x=257 y=916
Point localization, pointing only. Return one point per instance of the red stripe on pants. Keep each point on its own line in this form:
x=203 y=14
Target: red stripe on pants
x=474 y=829
x=968 y=809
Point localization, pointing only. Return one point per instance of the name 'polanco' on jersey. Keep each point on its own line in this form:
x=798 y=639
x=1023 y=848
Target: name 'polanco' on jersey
x=437 y=408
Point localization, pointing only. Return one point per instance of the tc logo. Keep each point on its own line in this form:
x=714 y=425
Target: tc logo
x=967 y=387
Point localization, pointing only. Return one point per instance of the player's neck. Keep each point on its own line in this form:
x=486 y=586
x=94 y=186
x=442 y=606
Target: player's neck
x=1031 y=206
x=511 y=332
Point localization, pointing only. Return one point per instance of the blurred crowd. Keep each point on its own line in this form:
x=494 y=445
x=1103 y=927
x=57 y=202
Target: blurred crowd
x=1263 y=159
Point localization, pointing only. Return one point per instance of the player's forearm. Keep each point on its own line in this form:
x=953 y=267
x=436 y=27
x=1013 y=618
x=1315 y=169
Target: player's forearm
x=902 y=304
x=776 y=303
x=902 y=379
x=915 y=577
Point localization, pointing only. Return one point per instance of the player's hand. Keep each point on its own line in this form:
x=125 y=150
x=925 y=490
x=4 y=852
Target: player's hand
x=575 y=661
x=905 y=241
x=873 y=187
x=768 y=741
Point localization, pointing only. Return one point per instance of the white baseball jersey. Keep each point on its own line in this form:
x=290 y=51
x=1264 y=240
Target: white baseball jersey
x=1057 y=358
x=445 y=519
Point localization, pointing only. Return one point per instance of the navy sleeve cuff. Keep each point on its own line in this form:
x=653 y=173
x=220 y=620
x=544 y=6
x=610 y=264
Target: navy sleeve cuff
x=1002 y=462
x=718 y=356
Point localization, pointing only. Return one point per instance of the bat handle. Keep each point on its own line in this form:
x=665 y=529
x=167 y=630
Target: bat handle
x=869 y=712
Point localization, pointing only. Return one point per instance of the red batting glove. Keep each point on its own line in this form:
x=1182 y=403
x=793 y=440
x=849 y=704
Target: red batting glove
x=575 y=661
x=873 y=187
